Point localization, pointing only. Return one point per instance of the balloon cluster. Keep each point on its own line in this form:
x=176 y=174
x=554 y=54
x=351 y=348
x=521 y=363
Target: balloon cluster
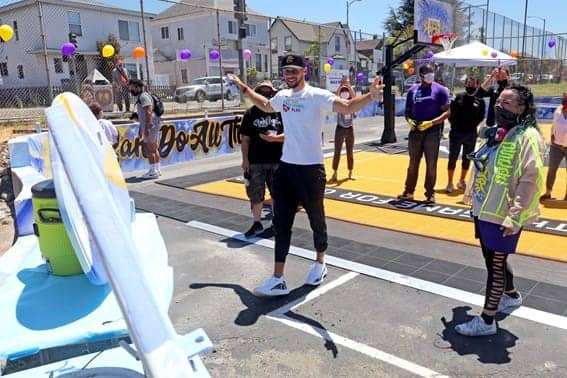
x=409 y=66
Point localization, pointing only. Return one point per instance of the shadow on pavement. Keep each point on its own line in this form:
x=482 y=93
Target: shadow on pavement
x=489 y=349
x=256 y=307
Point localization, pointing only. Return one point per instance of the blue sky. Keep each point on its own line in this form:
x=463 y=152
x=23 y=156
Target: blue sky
x=369 y=15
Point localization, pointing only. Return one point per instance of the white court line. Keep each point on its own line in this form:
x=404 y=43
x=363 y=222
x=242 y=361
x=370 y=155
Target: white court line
x=359 y=347
x=314 y=294
x=523 y=312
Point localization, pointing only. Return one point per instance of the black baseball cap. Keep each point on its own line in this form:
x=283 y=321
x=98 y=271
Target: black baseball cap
x=293 y=61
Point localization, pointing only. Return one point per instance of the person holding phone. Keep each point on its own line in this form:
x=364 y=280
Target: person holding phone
x=344 y=133
x=261 y=143
x=300 y=176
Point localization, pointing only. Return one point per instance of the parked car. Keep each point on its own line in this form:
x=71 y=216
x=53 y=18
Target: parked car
x=206 y=88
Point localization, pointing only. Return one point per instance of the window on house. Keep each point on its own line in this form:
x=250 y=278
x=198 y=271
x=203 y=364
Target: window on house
x=232 y=27
x=287 y=43
x=180 y=34
x=165 y=32
x=337 y=43
x=274 y=44
x=58 y=64
x=250 y=30
x=131 y=68
x=259 y=62
x=184 y=78
x=129 y=30
x=265 y=63
x=74 y=19
x=4 y=69
x=16 y=34
x=20 y=71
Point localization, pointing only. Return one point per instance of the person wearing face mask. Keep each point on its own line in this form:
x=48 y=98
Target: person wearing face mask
x=467 y=112
x=149 y=127
x=120 y=81
x=344 y=133
x=261 y=145
x=506 y=189
x=558 y=147
x=427 y=107
x=498 y=80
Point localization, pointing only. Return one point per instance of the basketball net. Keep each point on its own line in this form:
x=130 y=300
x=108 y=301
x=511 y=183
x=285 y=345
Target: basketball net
x=445 y=39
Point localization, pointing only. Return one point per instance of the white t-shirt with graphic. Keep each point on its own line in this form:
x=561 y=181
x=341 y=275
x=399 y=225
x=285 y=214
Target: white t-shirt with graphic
x=303 y=114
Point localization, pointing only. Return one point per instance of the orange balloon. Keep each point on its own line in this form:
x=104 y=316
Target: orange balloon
x=138 y=52
x=514 y=54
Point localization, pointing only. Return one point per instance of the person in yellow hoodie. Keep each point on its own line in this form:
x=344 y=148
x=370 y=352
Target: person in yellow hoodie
x=508 y=180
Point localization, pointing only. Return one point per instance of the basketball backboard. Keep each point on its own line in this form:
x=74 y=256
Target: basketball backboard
x=432 y=17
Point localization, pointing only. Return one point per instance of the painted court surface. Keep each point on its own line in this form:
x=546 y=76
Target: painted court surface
x=398 y=283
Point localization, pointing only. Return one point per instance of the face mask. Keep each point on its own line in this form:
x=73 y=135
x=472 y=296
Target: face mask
x=470 y=90
x=505 y=118
x=429 y=77
x=502 y=83
x=345 y=95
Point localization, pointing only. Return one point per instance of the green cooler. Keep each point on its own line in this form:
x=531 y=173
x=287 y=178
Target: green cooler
x=54 y=243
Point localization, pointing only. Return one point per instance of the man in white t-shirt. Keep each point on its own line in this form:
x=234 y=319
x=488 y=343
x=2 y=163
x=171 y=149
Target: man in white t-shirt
x=300 y=177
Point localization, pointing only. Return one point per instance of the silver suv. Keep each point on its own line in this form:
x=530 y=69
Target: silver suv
x=206 y=88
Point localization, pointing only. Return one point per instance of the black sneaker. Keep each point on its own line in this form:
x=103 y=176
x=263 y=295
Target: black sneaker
x=430 y=199
x=254 y=230
x=405 y=196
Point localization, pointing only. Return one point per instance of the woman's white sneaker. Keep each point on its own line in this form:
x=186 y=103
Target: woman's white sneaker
x=508 y=303
x=476 y=327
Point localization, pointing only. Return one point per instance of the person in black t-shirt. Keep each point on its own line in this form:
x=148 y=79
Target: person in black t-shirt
x=467 y=112
x=262 y=141
x=501 y=77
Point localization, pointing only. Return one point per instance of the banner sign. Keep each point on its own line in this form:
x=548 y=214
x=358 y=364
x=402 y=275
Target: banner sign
x=180 y=141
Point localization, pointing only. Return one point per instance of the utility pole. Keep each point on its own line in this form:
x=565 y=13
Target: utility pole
x=44 y=48
x=240 y=15
x=145 y=43
x=525 y=26
x=220 y=62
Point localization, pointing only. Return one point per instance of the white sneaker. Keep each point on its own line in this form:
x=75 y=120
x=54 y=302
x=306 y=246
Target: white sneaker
x=272 y=287
x=507 y=303
x=316 y=274
x=151 y=174
x=476 y=327
x=450 y=188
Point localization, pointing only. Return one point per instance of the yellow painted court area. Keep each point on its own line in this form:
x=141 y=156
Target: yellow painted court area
x=384 y=174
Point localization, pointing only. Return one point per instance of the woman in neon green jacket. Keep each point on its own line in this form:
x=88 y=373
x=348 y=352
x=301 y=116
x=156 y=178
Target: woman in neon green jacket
x=505 y=196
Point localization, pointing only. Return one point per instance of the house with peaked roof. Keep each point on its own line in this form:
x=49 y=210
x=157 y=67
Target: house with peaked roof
x=370 y=53
x=333 y=39
x=184 y=26
x=25 y=63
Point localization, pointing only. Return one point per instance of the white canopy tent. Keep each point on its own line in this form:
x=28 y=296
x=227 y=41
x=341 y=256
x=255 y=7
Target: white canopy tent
x=474 y=54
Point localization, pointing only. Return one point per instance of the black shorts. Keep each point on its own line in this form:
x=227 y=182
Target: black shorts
x=260 y=176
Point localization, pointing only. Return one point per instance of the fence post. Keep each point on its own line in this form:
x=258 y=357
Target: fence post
x=220 y=61
x=270 y=47
x=44 y=48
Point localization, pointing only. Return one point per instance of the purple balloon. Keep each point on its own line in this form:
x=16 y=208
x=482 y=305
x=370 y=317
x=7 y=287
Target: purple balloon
x=429 y=54
x=68 y=49
x=551 y=43
x=331 y=61
x=185 y=54
x=214 y=54
x=494 y=54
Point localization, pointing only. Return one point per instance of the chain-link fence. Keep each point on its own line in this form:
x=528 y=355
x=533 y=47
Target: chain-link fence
x=33 y=69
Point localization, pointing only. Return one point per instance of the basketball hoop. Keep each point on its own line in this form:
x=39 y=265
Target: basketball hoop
x=445 y=39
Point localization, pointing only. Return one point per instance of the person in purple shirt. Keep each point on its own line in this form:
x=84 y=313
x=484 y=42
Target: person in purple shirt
x=427 y=106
